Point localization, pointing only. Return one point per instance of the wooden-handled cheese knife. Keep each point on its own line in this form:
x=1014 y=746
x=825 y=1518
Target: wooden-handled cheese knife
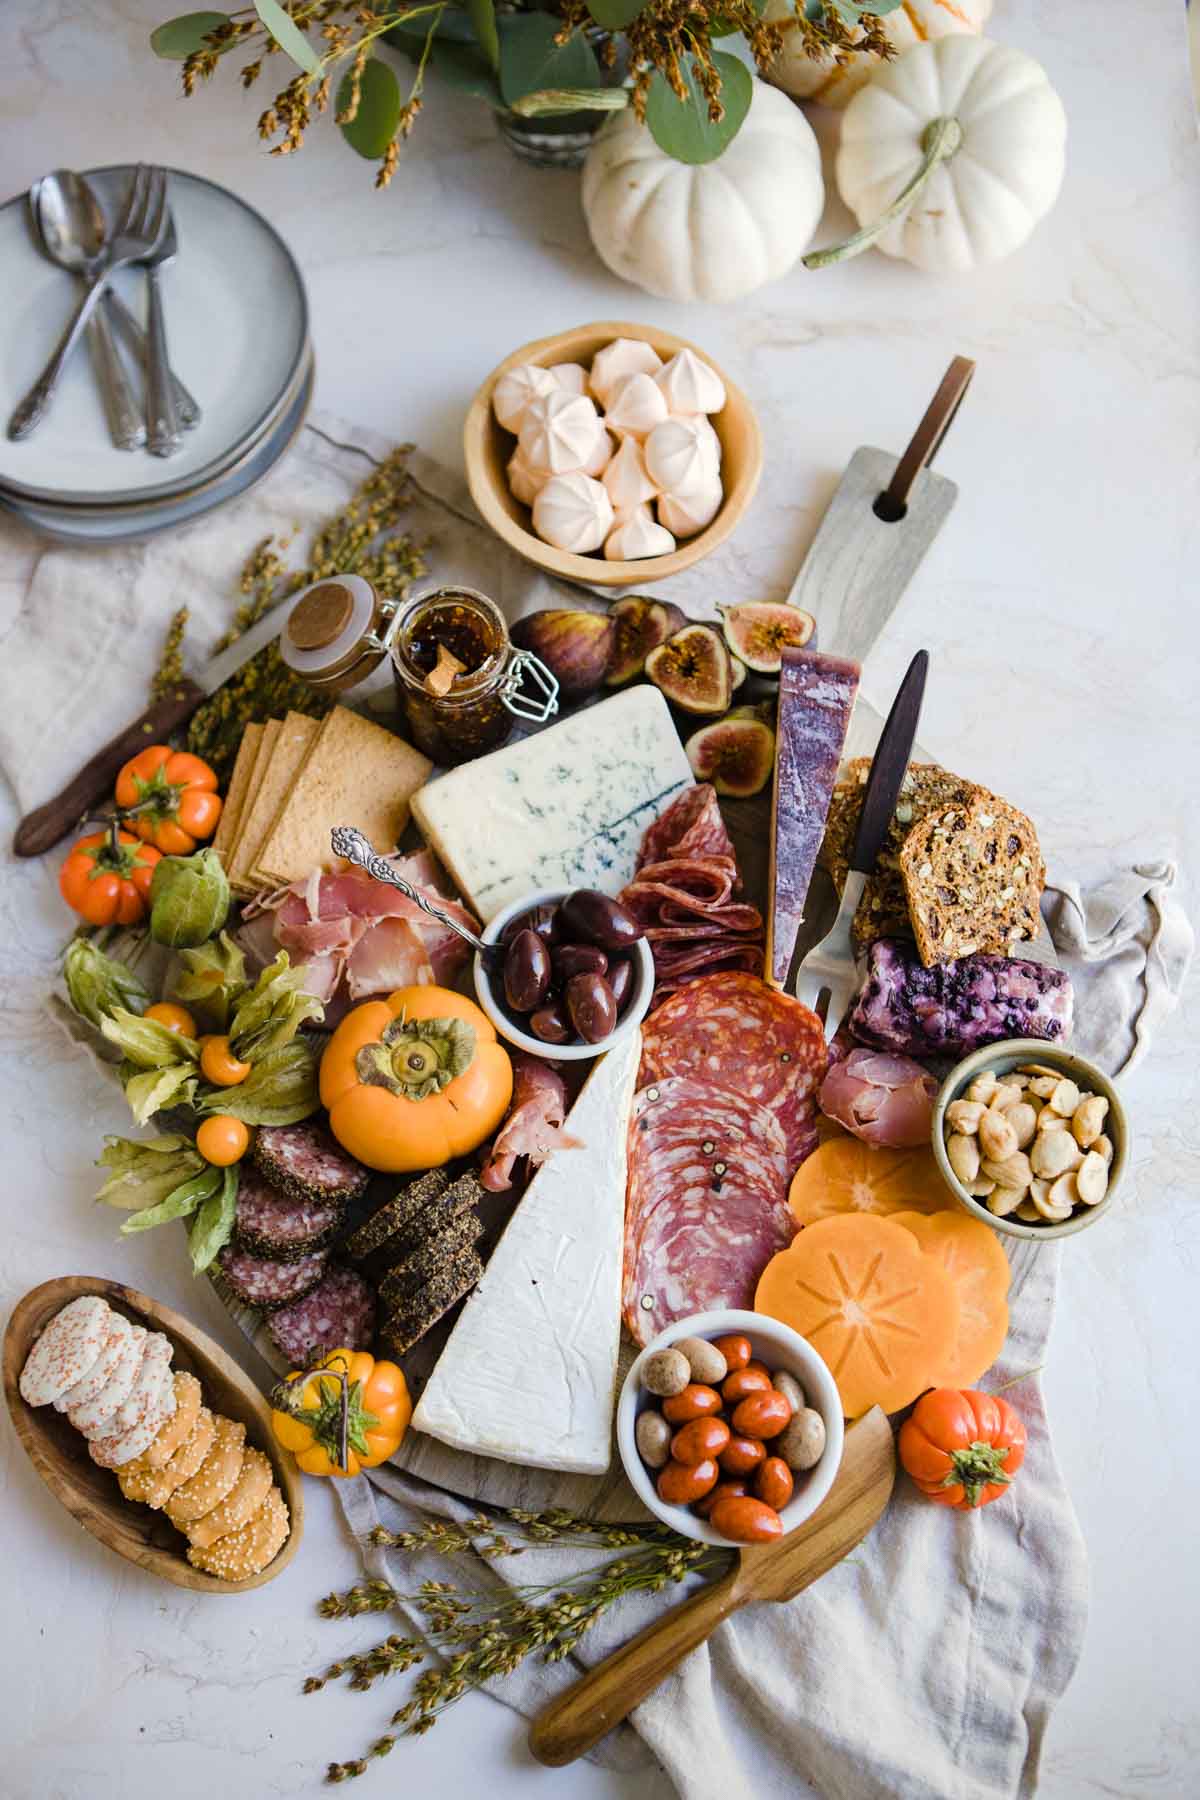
x=608 y=1693
x=41 y=829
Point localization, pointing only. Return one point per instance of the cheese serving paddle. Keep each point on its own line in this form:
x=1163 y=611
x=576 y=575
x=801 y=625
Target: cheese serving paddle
x=572 y=1724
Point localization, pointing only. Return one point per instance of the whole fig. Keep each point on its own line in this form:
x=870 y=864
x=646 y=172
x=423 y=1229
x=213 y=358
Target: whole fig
x=574 y=646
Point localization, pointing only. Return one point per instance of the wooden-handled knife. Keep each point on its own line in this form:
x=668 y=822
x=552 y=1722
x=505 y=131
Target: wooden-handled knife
x=41 y=829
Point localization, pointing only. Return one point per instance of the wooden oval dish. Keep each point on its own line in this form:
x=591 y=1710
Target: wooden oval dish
x=487 y=447
x=59 y=1453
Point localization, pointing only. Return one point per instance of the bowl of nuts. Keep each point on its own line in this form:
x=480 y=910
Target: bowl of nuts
x=1031 y=1139
x=730 y=1428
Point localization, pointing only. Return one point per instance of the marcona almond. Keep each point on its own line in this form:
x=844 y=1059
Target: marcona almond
x=1049 y=1120
x=997 y=1138
x=962 y=1153
x=983 y=1087
x=1053 y=1153
x=1014 y=1171
x=964 y=1116
x=1005 y=1200
x=1028 y=1213
x=1103 y=1148
x=1060 y=1199
x=1023 y=1120
x=1003 y=1098
x=1088 y=1120
x=1091 y=1179
x=1065 y=1098
x=1044 y=1085
x=980 y=1188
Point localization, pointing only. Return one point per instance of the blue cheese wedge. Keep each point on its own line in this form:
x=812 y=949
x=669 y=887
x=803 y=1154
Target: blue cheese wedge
x=564 y=809
x=529 y=1374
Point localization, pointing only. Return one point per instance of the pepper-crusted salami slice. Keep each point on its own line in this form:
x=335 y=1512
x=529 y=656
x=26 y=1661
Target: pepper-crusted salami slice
x=279 y=1226
x=733 y=1030
x=66 y=1349
x=257 y=1281
x=306 y=1163
x=707 y=1202
x=339 y=1313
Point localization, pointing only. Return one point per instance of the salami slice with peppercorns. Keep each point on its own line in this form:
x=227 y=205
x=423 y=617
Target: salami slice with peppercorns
x=306 y=1163
x=706 y=1207
x=265 y=1282
x=273 y=1224
x=338 y=1314
x=734 y=1031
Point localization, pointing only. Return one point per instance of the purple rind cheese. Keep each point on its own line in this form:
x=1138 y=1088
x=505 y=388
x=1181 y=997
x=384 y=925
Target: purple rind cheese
x=956 y=1007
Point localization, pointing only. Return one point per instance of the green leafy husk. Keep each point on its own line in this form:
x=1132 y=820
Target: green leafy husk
x=145 y=1173
x=272 y=1012
x=146 y=1043
x=99 y=984
x=189 y=899
x=213 y=978
x=178 y=1204
x=155 y=1089
x=212 y=1227
x=281 y=1089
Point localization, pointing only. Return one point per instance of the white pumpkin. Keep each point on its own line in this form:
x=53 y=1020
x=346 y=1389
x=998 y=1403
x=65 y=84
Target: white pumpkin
x=977 y=135
x=832 y=83
x=706 y=231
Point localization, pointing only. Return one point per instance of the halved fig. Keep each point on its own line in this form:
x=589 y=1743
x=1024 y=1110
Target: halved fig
x=641 y=626
x=737 y=671
x=694 y=671
x=759 y=631
x=737 y=754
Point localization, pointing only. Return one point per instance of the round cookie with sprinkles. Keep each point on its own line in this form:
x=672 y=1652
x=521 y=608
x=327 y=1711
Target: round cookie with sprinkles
x=155 y=1405
x=249 y=1549
x=66 y=1349
x=178 y=1428
x=102 y=1370
x=240 y=1504
x=214 y=1478
x=96 y=1417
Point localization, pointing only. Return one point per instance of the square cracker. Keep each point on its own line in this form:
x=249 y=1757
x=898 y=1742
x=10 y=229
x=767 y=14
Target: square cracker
x=292 y=744
x=356 y=773
x=237 y=867
x=230 y=823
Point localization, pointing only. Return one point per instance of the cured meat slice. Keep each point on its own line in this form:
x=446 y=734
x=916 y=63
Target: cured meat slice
x=339 y=1313
x=271 y=1224
x=882 y=1098
x=307 y=1163
x=66 y=1349
x=532 y=1125
x=707 y=1202
x=257 y=1281
x=691 y=826
x=734 y=1031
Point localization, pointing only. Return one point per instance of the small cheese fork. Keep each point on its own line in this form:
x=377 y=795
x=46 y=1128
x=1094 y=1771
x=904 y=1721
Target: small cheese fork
x=828 y=977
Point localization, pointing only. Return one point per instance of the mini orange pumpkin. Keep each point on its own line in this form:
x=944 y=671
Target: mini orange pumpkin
x=414 y=1080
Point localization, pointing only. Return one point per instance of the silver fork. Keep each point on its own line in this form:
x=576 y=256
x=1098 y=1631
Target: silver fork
x=828 y=976
x=162 y=414
x=133 y=238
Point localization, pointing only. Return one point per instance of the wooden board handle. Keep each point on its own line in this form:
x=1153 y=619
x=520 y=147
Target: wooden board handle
x=608 y=1693
x=40 y=830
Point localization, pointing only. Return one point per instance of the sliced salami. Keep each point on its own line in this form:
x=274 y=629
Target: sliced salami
x=306 y=1163
x=707 y=1202
x=691 y=826
x=267 y=1283
x=731 y=1029
x=339 y=1313
x=66 y=1349
x=273 y=1224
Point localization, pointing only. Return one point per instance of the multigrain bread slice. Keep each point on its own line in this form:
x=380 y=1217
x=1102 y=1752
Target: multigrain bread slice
x=408 y=1320
x=417 y=1270
x=973 y=876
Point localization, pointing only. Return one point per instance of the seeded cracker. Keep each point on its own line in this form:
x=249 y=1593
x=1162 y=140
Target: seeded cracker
x=410 y=1276
x=410 y=1318
x=293 y=742
x=235 y=797
x=238 y=867
x=974 y=877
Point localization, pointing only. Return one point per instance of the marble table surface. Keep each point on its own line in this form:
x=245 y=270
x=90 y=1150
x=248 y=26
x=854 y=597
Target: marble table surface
x=1062 y=618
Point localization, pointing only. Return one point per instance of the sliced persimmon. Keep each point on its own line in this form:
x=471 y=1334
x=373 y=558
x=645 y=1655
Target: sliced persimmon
x=844 y=1175
x=975 y=1260
x=882 y=1313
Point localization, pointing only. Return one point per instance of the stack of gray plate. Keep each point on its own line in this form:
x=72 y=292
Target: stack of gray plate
x=237 y=324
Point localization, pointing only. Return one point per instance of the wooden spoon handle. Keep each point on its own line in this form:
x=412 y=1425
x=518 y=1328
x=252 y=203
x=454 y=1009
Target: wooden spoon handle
x=41 y=830
x=608 y=1693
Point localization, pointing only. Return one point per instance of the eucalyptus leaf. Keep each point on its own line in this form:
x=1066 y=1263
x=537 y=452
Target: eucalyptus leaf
x=212 y=1227
x=462 y=67
x=155 y=1089
x=374 y=124
x=530 y=59
x=281 y=1089
x=212 y=977
x=447 y=24
x=615 y=15
x=98 y=984
x=146 y=1172
x=178 y=1204
x=180 y=38
x=145 y=1042
x=482 y=14
x=288 y=35
x=682 y=127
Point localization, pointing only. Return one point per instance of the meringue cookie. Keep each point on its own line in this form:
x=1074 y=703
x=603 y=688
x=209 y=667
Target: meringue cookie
x=572 y=376
x=624 y=356
x=626 y=479
x=573 y=512
x=601 y=456
x=559 y=432
x=680 y=457
x=524 y=483
x=637 y=535
x=690 y=385
x=513 y=392
x=635 y=406
x=686 y=514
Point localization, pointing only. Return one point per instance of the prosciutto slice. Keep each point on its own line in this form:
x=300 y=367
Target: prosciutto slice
x=885 y=1100
x=533 y=1126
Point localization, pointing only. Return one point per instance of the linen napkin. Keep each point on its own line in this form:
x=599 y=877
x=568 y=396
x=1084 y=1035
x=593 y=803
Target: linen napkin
x=925 y=1665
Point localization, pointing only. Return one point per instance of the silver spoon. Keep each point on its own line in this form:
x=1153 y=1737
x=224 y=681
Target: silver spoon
x=71 y=229
x=355 y=848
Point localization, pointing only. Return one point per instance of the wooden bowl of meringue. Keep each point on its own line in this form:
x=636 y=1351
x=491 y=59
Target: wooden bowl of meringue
x=613 y=454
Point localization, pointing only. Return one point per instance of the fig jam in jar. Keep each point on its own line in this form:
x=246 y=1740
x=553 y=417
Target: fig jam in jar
x=459 y=675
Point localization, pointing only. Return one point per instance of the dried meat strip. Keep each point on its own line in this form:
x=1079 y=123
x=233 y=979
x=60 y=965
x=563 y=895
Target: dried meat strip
x=707 y=1202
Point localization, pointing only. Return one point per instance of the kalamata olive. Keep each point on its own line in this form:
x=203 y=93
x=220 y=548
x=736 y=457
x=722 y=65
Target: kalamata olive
x=724 y=1490
x=761 y=1415
x=735 y=1387
x=736 y=1350
x=699 y=1438
x=526 y=972
x=742 y=1455
x=695 y=1402
x=594 y=918
x=773 y=1483
x=550 y=1023
x=746 y=1521
x=681 y=1484
x=620 y=979
x=577 y=959
x=539 y=918
x=591 y=1007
